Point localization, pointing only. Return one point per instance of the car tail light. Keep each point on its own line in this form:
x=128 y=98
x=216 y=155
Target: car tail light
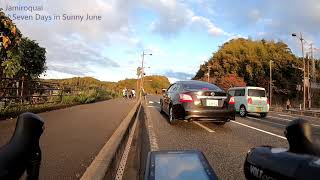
x=185 y=98
x=232 y=101
x=268 y=101
x=249 y=100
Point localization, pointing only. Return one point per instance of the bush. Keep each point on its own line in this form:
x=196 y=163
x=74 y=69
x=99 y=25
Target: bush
x=83 y=97
x=68 y=100
x=93 y=95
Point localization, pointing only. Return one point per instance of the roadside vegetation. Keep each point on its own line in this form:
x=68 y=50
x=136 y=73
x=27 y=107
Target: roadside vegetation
x=58 y=102
x=152 y=84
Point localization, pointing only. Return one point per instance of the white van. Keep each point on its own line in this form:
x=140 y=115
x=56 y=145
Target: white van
x=250 y=100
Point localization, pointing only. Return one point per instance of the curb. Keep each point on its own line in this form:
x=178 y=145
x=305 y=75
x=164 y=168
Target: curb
x=99 y=166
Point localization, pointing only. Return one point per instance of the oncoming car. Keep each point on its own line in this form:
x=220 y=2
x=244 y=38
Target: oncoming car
x=197 y=100
x=250 y=100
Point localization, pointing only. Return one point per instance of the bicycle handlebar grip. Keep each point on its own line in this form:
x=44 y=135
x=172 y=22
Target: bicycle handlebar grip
x=300 y=139
x=22 y=152
x=300 y=161
x=275 y=163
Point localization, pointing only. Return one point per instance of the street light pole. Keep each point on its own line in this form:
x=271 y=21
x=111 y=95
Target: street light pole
x=304 y=69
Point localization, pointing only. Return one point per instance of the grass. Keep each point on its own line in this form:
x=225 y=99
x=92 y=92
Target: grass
x=83 y=97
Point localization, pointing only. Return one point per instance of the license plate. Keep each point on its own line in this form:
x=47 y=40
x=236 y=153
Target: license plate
x=211 y=102
x=259 y=109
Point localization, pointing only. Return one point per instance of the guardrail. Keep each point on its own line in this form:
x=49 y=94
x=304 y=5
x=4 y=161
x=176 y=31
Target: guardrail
x=21 y=92
x=106 y=162
x=306 y=113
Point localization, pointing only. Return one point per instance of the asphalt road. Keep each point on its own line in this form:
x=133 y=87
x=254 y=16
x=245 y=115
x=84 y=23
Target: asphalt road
x=224 y=146
x=74 y=136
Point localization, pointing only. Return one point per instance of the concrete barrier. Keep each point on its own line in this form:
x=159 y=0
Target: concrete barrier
x=99 y=166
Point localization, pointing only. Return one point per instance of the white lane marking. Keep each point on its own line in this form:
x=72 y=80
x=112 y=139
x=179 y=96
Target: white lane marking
x=125 y=155
x=290 y=120
x=265 y=121
x=204 y=127
x=152 y=136
x=272 y=134
x=279 y=118
x=283 y=115
x=153 y=102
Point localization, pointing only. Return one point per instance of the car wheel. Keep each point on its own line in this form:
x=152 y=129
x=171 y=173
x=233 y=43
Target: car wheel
x=220 y=123
x=172 y=119
x=161 y=107
x=243 y=111
x=263 y=115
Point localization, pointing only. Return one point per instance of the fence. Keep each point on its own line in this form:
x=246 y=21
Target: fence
x=280 y=101
x=20 y=92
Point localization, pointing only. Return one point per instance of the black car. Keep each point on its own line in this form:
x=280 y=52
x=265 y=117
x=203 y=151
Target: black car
x=197 y=100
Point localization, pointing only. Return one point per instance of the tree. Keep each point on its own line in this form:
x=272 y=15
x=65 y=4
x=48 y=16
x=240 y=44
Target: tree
x=231 y=80
x=247 y=61
x=10 y=37
x=33 y=58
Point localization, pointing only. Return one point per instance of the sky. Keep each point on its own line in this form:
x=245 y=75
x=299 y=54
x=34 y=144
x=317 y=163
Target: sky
x=180 y=34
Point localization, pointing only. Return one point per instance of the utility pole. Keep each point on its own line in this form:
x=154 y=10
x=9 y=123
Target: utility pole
x=304 y=69
x=270 y=84
x=313 y=63
x=313 y=72
x=142 y=72
x=208 y=73
x=308 y=80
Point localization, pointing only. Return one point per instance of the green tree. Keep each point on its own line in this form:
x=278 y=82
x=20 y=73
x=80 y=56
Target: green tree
x=249 y=60
x=10 y=37
x=33 y=58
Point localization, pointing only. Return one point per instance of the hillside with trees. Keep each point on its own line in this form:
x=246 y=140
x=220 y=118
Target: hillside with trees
x=152 y=84
x=241 y=62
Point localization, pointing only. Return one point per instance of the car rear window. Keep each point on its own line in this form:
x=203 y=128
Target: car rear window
x=202 y=86
x=256 y=93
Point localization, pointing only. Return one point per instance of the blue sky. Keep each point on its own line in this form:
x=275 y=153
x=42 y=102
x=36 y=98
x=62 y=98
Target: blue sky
x=181 y=34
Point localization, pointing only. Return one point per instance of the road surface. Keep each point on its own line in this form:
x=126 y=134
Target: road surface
x=74 y=136
x=224 y=146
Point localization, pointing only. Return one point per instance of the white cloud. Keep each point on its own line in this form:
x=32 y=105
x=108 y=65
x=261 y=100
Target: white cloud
x=75 y=47
x=207 y=24
x=175 y=16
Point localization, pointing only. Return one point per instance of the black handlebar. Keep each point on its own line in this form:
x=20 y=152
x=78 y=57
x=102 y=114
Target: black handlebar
x=300 y=139
x=300 y=161
x=23 y=152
